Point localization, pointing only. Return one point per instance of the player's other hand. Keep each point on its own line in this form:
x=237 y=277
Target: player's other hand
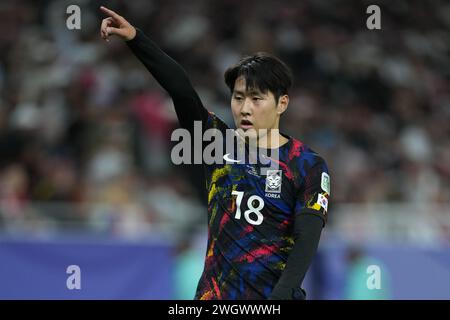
x=116 y=25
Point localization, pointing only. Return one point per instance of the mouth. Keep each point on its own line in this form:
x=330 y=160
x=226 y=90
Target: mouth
x=246 y=124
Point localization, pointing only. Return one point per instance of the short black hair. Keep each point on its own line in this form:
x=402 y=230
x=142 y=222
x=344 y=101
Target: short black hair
x=261 y=71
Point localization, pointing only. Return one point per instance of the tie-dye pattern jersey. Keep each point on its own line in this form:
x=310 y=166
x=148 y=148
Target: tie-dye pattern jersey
x=251 y=218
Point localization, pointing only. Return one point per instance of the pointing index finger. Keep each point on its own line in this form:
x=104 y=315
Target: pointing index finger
x=110 y=13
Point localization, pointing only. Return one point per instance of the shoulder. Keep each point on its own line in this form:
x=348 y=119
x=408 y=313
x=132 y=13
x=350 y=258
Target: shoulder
x=308 y=166
x=214 y=122
x=304 y=157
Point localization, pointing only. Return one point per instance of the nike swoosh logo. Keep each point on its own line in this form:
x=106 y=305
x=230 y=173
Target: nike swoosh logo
x=227 y=158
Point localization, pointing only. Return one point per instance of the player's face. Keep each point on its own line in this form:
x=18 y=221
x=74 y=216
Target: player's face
x=256 y=110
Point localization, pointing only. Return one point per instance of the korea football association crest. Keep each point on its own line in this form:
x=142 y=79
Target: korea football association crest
x=273 y=181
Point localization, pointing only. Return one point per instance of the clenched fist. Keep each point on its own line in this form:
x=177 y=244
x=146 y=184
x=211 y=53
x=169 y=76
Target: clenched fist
x=116 y=25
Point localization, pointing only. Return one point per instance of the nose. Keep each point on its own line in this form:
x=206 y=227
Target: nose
x=246 y=107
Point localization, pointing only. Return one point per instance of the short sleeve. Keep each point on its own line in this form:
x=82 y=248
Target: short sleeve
x=314 y=194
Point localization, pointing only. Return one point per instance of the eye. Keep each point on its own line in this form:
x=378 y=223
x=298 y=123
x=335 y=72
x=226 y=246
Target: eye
x=238 y=98
x=256 y=98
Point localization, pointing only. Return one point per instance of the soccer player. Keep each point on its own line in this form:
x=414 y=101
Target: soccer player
x=263 y=229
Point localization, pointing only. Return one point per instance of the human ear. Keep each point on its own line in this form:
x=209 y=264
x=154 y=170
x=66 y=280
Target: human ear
x=283 y=102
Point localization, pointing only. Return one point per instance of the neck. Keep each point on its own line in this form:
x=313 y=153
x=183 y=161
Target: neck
x=273 y=139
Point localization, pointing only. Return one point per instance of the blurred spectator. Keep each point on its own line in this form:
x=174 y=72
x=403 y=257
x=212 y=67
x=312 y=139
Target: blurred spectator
x=82 y=121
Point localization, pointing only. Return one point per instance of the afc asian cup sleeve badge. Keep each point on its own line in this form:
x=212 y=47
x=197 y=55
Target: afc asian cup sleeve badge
x=325 y=182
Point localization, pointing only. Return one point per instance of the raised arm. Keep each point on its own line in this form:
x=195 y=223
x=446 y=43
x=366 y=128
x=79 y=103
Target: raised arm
x=169 y=74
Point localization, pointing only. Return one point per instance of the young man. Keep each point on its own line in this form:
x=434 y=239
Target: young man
x=263 y=228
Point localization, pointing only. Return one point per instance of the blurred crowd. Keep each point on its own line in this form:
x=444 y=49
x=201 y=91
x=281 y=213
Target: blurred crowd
x=82 y=122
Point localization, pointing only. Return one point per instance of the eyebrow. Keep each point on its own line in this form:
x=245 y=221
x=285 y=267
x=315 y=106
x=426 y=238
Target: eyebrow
x=252 y=92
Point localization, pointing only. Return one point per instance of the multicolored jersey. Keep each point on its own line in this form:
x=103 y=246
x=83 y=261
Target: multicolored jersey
x=251 y=217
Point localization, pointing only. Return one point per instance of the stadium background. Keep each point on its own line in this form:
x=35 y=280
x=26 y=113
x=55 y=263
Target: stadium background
x=85 y=171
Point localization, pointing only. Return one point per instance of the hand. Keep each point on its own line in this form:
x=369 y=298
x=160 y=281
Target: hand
x=116 y=25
